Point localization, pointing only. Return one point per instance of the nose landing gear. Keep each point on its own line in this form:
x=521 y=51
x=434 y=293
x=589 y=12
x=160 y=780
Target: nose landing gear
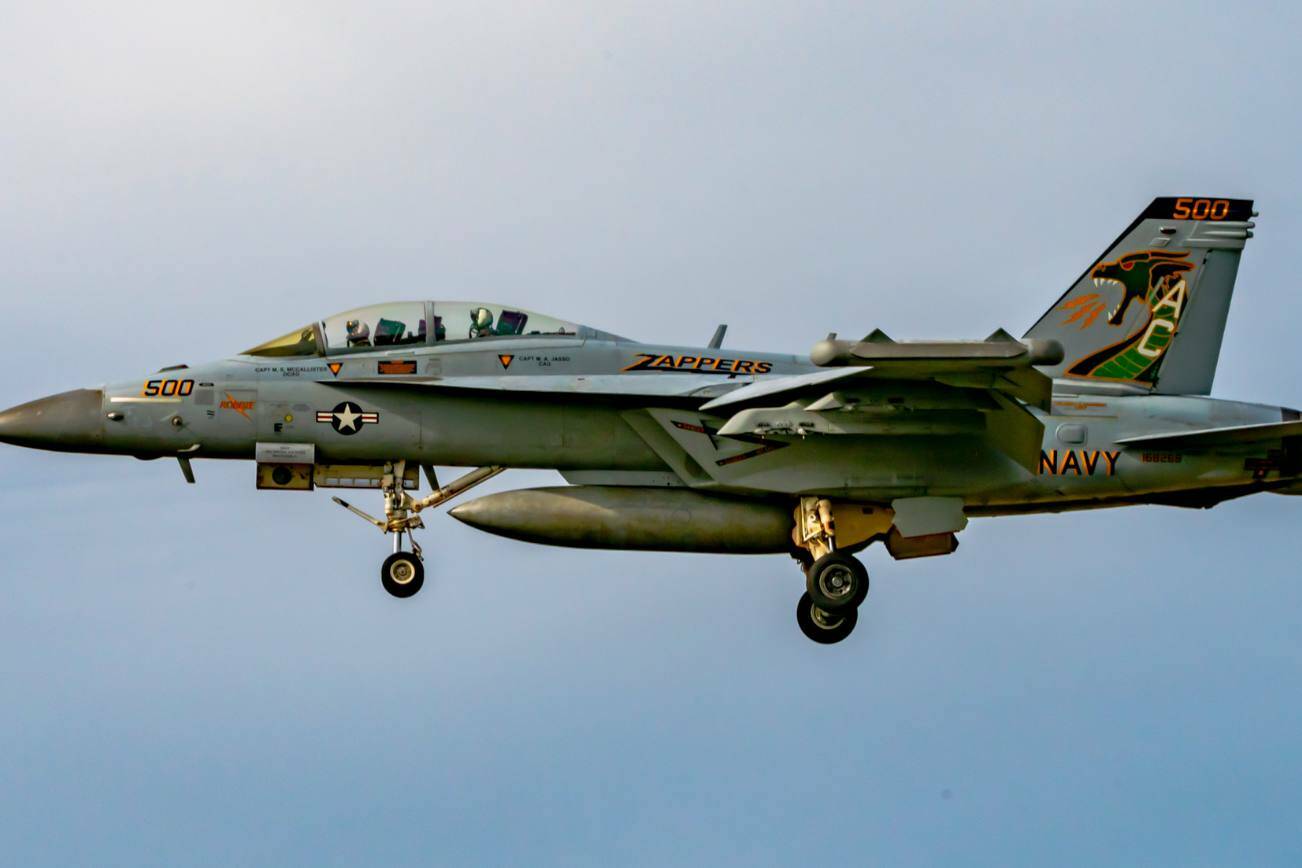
x=403 y=573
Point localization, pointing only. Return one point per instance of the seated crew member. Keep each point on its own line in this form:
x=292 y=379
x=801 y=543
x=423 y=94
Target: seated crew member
x=359 y=333
x=481 y=322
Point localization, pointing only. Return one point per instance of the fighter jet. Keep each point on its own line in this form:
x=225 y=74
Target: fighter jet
x=1102 y=403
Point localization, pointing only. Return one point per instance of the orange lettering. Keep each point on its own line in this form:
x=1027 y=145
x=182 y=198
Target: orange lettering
x=1091 y=461
x=1049 y=461
x=1070 y=462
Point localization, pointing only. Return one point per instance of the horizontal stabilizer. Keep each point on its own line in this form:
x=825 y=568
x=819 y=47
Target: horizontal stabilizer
x=1210 y=437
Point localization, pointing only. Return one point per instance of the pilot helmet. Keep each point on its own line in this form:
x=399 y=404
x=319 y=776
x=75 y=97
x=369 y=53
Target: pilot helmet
x=481 y=318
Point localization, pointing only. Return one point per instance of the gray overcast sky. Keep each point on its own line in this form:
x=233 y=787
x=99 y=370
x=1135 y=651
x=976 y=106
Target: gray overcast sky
x=203 y=675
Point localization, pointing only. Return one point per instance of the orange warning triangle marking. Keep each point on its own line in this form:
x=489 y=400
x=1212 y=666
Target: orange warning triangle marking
x=335 y=367
x=505 y=360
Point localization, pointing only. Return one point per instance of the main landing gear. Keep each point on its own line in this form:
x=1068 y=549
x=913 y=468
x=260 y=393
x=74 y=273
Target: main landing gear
x=824 y=627
x=836 y=582
x=836 y=585
x=403 y=573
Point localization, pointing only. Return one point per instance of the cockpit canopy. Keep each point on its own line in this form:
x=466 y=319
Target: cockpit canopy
x=418 y=323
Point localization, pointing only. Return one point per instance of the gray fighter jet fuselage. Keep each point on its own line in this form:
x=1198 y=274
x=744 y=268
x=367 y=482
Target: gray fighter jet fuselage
x=1103 y=403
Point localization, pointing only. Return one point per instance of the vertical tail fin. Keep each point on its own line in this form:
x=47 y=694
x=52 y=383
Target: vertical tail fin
x=1151 y=310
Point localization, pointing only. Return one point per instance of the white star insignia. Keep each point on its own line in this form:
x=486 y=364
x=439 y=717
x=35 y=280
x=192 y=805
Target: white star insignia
x=347 y=418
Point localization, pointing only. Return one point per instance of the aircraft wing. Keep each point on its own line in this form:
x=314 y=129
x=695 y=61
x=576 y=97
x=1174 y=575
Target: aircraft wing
x=878 y=387
x=787 y=385
x=679 y=385
x=1207 y=438
x=894 y=407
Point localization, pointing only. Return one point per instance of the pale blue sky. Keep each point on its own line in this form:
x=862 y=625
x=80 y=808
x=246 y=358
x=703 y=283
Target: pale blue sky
x=206 y=675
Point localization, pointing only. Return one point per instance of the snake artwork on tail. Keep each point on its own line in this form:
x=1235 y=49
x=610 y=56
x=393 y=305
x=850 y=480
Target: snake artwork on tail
x=1158 y=277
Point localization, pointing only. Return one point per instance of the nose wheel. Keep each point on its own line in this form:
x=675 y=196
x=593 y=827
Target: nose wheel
x=403 y=573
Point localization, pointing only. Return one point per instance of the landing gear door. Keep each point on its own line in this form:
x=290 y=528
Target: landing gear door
x=285 y=466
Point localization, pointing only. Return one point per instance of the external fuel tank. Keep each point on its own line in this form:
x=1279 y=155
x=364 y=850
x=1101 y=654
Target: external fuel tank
x=627 y=517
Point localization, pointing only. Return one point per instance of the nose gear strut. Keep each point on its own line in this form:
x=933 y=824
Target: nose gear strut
x=403 y=573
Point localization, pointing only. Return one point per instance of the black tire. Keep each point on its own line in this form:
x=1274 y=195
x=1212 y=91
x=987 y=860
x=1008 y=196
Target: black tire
x=837 y=582
x=402 y=574
x=825 y=628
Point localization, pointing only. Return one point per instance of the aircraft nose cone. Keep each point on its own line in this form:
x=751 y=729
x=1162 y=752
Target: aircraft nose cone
x=68 y=422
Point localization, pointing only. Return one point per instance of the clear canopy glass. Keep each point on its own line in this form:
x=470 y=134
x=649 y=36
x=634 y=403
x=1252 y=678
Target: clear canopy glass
x=418 y=323
x=380 y=326
x=471 y=320
x=300 y=342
